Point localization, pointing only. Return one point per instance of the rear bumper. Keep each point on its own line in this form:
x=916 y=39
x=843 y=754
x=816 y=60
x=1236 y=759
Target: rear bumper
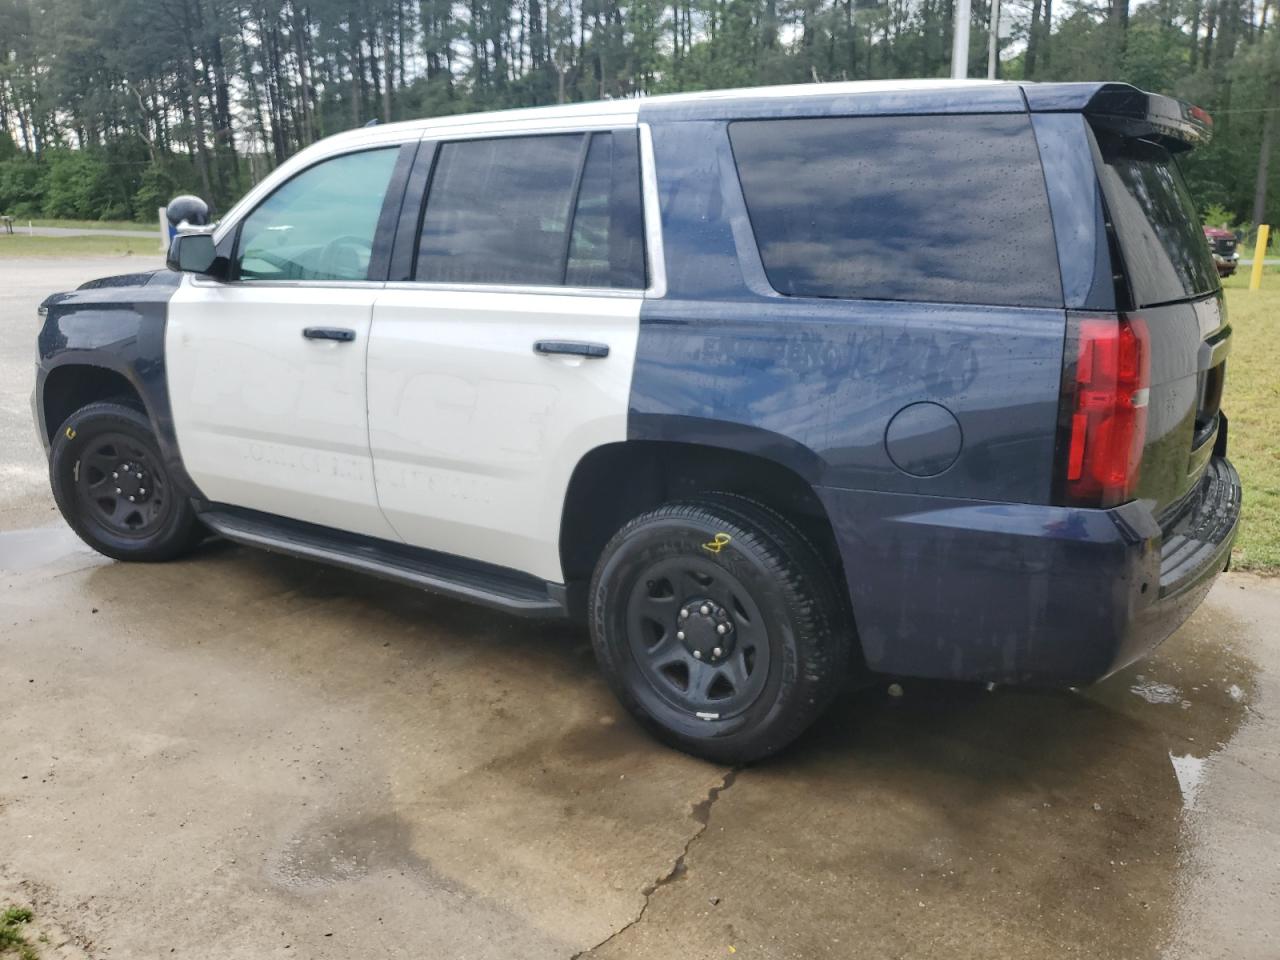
x=1022 y=593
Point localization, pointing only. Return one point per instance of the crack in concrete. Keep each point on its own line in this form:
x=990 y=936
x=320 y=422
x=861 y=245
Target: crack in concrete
x=701 y=812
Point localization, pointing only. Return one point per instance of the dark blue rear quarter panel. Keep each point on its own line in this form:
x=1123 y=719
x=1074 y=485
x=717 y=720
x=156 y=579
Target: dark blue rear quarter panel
x=813 y=383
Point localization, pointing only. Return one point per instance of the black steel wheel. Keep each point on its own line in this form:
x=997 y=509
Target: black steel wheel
x=719 y=627
x=113 y=488
x=121 y=487
x=698 y=637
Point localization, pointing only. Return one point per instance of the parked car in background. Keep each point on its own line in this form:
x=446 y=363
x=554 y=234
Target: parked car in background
x=1223 y=244
x=659 y=364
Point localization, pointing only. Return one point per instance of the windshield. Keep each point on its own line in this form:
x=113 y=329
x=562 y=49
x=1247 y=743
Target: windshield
x=1164 y=248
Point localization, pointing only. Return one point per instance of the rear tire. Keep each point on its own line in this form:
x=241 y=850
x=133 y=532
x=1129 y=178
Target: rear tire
x=104 y=454
x=762 y=647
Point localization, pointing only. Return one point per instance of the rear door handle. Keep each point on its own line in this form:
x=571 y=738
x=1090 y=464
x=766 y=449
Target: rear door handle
x=572 y=348
x=341 y=334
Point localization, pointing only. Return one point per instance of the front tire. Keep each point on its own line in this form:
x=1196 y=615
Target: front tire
x=719 y=627
x=111 y=485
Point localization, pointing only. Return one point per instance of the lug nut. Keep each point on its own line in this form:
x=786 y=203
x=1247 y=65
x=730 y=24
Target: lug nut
x=716 y=652
x=684 y=613
x=697 y=654
x=679 y=634
x=704 y=610
x=142 y=492
x=131 y=500
x=118 y=490
x=115 y=476
x=721 y=629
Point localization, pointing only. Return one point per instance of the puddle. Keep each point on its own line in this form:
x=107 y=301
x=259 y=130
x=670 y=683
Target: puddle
x=350 y=850
x=1153 y=691
x=1190 y=772
x=22 y=550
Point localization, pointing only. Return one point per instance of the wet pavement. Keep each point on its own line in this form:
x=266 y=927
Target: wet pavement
x=243 y=755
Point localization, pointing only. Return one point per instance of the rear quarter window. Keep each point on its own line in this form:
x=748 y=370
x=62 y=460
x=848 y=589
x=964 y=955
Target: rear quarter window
x=949 y=209
x=1166 y=255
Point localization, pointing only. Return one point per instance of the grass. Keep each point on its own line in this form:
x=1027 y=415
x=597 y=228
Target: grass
x=1251 y=402
x=12 y=941
x=90 y=224
x=20 y=245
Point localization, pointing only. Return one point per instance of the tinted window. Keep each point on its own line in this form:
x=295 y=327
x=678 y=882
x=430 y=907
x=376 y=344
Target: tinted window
x=607 y=244
x=949 y=209
x=1164 y=248
x=535 y=210
x=321 y=224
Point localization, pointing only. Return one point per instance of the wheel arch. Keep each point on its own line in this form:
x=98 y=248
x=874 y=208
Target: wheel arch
x=73 y=382
x=615 y=482
x=69 y=386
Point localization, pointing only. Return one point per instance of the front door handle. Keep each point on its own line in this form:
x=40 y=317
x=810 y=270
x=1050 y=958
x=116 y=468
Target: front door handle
x=572 y=348
x=341 y=334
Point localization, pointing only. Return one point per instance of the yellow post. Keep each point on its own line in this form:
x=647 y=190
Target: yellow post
x=1259 y=254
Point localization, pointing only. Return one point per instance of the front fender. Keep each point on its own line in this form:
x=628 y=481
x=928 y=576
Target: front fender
x=114 y=325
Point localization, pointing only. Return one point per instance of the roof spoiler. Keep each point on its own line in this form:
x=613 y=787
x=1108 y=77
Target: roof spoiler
x=1128 y=111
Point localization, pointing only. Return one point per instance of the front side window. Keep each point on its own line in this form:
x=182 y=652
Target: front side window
x=321 y=224
x=949 y=209
x=546 y=211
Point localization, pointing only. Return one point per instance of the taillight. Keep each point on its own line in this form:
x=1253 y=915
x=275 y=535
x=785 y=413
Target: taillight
x=1104 y=425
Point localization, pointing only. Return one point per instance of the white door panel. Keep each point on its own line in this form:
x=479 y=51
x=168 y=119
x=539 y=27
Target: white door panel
x=474 y=436
x=267 y=419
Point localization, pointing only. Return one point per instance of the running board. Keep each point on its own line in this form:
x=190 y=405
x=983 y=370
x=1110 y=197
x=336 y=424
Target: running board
x=440 y=573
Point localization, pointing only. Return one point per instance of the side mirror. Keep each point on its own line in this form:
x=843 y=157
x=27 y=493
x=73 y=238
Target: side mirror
x=192 y=253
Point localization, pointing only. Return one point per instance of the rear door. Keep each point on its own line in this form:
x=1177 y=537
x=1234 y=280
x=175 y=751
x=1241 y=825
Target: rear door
x=508 y=355
x=1174 y=292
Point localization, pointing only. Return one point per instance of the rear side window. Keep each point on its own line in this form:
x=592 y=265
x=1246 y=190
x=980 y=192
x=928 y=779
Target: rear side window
x=1165 y=252
x=606 y=246
x=947 y=209
x=548 y=211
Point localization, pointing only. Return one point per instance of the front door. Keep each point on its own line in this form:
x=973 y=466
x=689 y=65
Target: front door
x=267 y=372
x=509 y=356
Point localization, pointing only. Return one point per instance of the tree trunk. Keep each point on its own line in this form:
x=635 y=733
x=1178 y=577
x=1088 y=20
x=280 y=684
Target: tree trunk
x=1194 y=52
x=388 y=69
x=1264 y=157
x=1207 y=52
x=1046 y=34
x=1033 y=43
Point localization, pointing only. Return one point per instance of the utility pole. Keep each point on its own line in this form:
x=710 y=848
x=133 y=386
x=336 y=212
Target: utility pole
x=993 y=41
x=960 y=42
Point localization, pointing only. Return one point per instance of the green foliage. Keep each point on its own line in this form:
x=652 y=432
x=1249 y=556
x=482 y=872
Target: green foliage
x=12 y=941
x=1216 y=215
x=76 y=185
x=21 y=187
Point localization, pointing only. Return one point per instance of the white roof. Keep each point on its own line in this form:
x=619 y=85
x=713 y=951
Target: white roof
x=627 y=108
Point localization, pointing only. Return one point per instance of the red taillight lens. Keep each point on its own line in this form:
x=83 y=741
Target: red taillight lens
x=1107 y=428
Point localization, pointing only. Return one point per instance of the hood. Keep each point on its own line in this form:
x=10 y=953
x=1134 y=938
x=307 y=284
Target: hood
x=149 y=286
x=120 y=280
